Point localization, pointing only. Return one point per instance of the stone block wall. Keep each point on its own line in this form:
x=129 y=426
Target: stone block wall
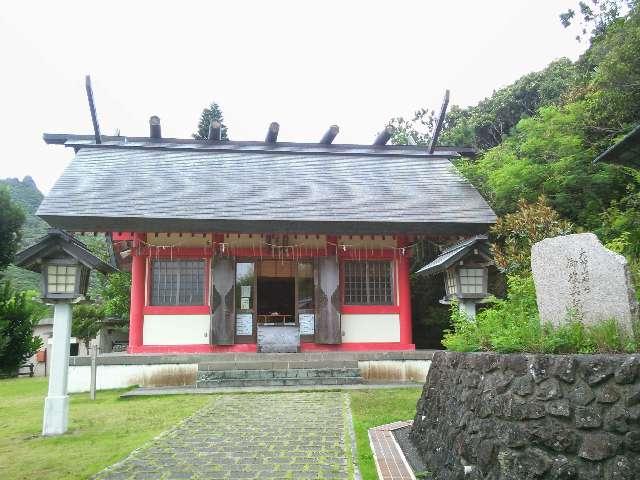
x=492 y=416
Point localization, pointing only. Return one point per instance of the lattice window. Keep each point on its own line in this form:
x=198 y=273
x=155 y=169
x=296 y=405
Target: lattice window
x=471 y=280
x=61 y=278
x=177 y=282
x=368 y=283
x=450 y=284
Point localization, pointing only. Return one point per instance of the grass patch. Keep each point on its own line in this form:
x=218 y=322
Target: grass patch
x=101 y=432
x=371 y=408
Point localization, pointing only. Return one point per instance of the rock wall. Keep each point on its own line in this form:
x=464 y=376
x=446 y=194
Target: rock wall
x=491 y=416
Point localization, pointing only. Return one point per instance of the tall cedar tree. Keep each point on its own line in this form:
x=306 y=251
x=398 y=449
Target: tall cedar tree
x=11 y=221
x=212 y=112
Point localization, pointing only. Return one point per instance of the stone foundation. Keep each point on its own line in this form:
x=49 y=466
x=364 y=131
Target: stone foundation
x=120 y=370
x=491 y=416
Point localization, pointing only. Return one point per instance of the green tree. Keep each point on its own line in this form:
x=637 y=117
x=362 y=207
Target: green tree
x=11 y=221
x=515 y=233
x=486 y=124
x=116 y=295
x=595 y=16
x=86 y=322
x=112 y=291
x=19 y=314
x=212 y=112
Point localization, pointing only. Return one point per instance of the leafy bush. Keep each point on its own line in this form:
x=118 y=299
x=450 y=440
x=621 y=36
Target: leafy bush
x=116 y=294
x=19 y=314
x=513 y=325
x=87 y=321
x=515 y=233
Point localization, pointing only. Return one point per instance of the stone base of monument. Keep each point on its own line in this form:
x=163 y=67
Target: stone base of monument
x=486 y=415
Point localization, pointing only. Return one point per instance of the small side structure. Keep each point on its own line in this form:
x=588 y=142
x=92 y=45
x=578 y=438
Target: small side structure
x=466 y=270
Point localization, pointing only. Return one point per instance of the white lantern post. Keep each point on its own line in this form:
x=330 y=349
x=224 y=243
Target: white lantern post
x=65 y=265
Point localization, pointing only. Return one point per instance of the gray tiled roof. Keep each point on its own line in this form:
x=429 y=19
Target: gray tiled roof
x=452 y=254
x=128 y=187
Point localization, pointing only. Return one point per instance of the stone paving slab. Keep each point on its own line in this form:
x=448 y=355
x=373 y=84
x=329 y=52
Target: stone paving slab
x=250 y=436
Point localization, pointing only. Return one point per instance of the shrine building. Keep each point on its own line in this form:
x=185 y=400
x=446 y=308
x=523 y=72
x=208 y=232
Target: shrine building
x=238 y=246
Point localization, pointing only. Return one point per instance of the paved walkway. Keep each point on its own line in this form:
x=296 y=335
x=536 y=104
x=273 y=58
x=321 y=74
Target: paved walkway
x=391 y=463
x=247 y=436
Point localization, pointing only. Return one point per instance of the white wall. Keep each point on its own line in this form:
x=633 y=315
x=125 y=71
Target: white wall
x=121 y=376
x=176 y=329
x=395 y=370
x=370 y=328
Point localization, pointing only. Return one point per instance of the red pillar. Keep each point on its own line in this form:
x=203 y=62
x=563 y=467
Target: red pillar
x=404 y=290
x=136 y=317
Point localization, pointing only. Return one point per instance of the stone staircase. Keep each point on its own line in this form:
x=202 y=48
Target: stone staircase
x=224 y=374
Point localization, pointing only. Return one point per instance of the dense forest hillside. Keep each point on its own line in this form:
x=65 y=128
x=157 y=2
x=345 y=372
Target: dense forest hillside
x=26 y=194
x=539 y=136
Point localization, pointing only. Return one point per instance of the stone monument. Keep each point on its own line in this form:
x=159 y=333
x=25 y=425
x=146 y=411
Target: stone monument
x=577 y=277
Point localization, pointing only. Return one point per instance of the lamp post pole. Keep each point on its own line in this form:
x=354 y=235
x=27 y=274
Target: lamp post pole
x=56 y=405
x=468 y=306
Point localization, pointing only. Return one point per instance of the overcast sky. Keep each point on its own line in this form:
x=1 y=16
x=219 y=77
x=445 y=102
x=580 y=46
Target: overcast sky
x=305 y=64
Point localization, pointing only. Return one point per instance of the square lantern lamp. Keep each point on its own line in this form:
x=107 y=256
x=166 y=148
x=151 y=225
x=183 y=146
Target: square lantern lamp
x=466 y=281
x=64 y=279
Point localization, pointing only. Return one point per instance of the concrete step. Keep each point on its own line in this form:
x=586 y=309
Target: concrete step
x=280 y=373
x=280 y=364
x=277 y=382
x=249 y=374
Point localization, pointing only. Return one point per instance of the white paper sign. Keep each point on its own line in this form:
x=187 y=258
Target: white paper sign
x=244 y=303
x=244 y=324
x=245 y=291
x=307 y=323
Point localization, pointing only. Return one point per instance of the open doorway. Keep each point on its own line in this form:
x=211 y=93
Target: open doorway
x=276 y=285
x=277 y=296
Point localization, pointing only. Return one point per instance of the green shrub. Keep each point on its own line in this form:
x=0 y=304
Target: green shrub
x=19 y=314
x=513 y=325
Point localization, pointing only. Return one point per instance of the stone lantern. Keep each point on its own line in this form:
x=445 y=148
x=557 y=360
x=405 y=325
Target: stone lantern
x=65 y=265
x=466 y=271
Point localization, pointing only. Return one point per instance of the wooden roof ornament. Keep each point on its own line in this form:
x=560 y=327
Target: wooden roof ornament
x=440 y=122
x=92 y=109
x=330 y=135
x=155 y=131
x=384 y=136
x=272 y=133
x=215 y=132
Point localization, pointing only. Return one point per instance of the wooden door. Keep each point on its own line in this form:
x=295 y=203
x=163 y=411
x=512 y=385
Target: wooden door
x=222 y=302
x=327 y=290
